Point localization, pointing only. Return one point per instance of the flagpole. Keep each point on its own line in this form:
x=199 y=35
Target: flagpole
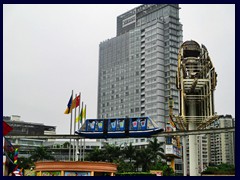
x=74 y=128
x=79 y=111
x=85 y=115
x=81 y=126
x=70 y=132
x=78 y=127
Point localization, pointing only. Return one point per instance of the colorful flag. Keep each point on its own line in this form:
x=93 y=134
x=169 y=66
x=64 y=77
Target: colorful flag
x=75 y=103
x=67 y=111
x=15 y=156
x=84 y=112
x=80 y=116
x=6 y=128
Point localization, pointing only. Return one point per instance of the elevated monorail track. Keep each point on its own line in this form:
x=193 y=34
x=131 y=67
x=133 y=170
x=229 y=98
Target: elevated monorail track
x=163 y=134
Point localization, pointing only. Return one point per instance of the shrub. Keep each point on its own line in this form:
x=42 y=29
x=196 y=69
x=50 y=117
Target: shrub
x=135 y=174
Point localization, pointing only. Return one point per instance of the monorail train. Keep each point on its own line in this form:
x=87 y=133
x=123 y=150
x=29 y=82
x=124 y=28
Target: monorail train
x=118 y=128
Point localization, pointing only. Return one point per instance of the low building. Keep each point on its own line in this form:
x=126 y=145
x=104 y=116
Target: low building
x=20 y=127
x=60 y=149
x=53 y=168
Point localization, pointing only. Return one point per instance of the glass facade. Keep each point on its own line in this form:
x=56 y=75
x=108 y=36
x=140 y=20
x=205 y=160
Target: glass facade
x=137 y=68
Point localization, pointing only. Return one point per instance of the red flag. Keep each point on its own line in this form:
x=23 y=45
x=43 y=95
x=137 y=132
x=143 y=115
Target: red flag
x=6 y=128
x=75 y=103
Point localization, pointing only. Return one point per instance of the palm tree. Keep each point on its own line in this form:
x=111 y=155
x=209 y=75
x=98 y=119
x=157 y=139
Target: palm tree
x=129 y=152
x=156 y=149
x=111 y=152
x=41 y=153
x=138 y=158
x=95 y=155
x=143 y=157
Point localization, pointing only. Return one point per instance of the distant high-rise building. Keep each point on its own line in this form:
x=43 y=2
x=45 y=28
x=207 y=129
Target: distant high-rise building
x=137 y=68
x=222 y=146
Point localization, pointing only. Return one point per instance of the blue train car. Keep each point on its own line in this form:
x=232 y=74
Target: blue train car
x=118 y=128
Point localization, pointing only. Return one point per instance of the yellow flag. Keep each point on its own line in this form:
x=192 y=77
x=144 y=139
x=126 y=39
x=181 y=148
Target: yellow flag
x=79 y=118
x=84 y=113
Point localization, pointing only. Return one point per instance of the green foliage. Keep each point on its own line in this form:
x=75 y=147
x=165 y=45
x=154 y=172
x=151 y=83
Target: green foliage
x=135 y=174
x=220 y=169
x=146 y=158
x=95 y=155
x=130 y=158
x=226 y=167
x=124 y=166
x=25 y=163
x=41 y=153
x=167 y=171
x=111 y=152
x=156 y=149
x=129 y=152
x=157 y=166
x=66 y=144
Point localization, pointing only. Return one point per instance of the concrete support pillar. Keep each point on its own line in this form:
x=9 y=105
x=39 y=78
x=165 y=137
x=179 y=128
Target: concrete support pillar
x=184 y=141
x=193 y=146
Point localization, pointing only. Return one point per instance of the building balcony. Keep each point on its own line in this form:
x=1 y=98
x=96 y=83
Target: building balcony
x=143 y=74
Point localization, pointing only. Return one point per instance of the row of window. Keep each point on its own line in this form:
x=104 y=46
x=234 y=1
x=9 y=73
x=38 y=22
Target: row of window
x=154 y=37
x=154 y=61
x=154 y=49
x=154 y=43
x=120 y=113
x=153 y=32
x=159 y=14
x=154 y=26
x=121 y=110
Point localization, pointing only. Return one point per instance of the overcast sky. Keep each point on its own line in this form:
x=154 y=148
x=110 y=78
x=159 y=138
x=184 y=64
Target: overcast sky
x=50 y=50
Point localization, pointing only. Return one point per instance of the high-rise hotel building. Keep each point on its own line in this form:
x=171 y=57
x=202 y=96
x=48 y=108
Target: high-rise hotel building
x=137 y=68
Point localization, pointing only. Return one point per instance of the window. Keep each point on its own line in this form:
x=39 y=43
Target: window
x=91 y=125
x=112 y=125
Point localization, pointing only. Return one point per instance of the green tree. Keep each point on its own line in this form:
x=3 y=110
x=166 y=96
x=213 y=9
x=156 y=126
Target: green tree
x=95 y=155
x=167 y=171
x=143 y=158
x=157 y=166
x=124 y=166
x=41 y=153
x=138 y=158
x=111 y=152
x=25 y=163
x=66 y=144
x=220 y=169
x=156 y=150
x=129 y=152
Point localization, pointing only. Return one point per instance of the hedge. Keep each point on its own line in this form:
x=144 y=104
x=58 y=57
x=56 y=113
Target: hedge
x=135 y=174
